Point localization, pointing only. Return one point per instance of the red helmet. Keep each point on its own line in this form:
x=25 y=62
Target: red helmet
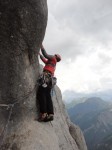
x=58 y=57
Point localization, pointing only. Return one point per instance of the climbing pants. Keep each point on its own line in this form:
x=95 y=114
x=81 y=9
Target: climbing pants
x=45 y=101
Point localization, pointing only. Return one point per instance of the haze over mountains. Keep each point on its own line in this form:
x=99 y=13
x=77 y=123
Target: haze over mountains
x=70 y=95
x=94 y=116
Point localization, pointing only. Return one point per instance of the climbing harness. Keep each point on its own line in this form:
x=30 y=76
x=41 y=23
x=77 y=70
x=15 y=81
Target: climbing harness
x=10 y=108
x=46 y=79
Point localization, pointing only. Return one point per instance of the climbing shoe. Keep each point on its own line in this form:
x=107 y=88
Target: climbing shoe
x=50 y=117
x=42 y=117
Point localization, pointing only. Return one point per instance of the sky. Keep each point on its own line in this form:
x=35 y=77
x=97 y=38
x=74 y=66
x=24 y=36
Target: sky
x=81 y=32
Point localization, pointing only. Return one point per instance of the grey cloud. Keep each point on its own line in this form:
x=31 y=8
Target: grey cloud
x=105 y=59
x=87 y=17
x=87 y=20
x=81 y=27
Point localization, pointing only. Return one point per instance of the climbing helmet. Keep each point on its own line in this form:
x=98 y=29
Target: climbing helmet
x=58 y=57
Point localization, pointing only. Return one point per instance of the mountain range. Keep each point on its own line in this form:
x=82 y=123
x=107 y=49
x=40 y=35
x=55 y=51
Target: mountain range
x=94 y=117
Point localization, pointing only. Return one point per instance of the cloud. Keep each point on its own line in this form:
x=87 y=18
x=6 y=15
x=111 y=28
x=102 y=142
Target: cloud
x=81 y=32
x=73 y=24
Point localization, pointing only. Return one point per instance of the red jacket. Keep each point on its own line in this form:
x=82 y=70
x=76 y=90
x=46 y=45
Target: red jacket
x=50 y=62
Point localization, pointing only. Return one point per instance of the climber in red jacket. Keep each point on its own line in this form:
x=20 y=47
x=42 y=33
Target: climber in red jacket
x=45 y=85
x=50 y=61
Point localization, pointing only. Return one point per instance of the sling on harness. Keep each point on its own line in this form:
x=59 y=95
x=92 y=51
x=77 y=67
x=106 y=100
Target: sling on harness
x=46 y=79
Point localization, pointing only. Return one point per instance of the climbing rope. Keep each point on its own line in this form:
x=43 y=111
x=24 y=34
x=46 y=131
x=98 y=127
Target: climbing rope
x=11 y=106
x=2 y=136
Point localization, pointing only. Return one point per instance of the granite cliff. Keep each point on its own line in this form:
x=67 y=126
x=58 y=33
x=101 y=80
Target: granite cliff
x=22 y=29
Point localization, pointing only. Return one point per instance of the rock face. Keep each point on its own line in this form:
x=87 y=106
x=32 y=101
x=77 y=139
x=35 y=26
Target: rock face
x=69 y=136
x=22 y=29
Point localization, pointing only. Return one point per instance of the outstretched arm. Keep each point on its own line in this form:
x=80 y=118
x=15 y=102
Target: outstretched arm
x=43 y=59
x=45 y=53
